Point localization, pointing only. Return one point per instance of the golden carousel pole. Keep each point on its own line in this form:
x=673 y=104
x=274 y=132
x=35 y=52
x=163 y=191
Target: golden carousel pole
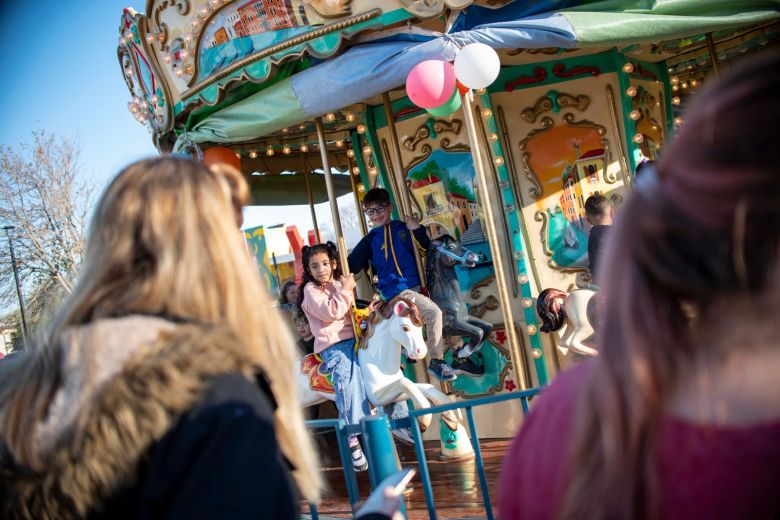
x=402 y=194
x=334 y=207
x=311 y=198
x=492 y=236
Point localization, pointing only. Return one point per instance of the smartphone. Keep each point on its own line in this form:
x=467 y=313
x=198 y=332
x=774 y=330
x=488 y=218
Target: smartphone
x=404 y=477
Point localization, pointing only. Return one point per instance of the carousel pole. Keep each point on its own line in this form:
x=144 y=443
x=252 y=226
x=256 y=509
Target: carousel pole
x=334 y=207
x=356 y=194
x=402 y=195
x=310 y=198
x=490 y=229
x=713 y=54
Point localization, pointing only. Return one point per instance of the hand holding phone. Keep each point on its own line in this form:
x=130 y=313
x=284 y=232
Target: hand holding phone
x=386 y=497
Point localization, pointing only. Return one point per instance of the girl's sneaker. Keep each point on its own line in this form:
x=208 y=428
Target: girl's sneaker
x=359 y=462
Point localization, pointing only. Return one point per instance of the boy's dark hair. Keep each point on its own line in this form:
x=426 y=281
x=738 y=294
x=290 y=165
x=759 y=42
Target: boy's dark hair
x=596 y=205
x=643 y=165
x=307 y=252
x=376 y=197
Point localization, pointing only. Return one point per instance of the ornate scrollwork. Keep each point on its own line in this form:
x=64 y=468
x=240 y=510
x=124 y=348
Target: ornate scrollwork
x=432 y=128
x=616 y=199
x=421 y=134
x=580 y=102
x=480 y=309
x=426 y=150
x=442 y=126
x=609 y=177
x=568 y=118
x=475 y=292
x=541 y=216
x=182 y=7
x=535 y=191
x=542 y=105
x=559 y=69
x=457 y=147
x=432 y=8
x=546 y=124
x=539 y=75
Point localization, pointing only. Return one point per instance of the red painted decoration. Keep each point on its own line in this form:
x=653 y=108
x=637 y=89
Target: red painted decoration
x=559 y=69
x=644 y=73
x=539 y=74
x=509 y=385
x=406 y=111
x=296 y=244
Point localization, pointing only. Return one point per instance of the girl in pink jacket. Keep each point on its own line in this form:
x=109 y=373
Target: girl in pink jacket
x=325 y=296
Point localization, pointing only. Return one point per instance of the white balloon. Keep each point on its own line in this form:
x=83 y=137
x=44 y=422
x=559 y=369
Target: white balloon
x=477 y=65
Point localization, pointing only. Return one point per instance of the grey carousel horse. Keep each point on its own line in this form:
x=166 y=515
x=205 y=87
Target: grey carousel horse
x=443 y=255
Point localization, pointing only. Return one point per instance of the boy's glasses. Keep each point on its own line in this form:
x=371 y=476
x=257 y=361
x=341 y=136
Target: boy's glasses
x=378 y=210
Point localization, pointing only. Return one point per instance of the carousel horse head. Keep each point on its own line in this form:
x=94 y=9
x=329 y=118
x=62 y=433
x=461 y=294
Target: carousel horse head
x=575 y=309
x=451 y=252
x=401 y=322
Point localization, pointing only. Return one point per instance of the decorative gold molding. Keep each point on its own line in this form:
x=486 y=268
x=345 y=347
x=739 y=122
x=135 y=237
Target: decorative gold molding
x=440 y=126
x=609 y=178
x=546 y=124
x=286 y=44
x=480 y=309
x=426 y=153
x=613 y=118
x=569 y=120
x=545 y=104
x=475 y=292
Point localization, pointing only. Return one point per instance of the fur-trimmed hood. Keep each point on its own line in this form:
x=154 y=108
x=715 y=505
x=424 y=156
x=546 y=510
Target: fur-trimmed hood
x=124 y=382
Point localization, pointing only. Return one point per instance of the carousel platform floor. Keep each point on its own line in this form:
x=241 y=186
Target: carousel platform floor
x=455 y=484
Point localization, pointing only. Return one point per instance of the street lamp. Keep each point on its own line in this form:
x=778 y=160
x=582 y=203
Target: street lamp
x=18 y=285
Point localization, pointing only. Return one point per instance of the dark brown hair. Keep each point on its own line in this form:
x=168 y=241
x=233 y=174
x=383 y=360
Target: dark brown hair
x=376 y=196
x=596 y=205
x=706 y=229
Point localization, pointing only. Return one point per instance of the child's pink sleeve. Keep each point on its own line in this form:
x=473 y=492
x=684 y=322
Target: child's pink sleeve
x=325 y=307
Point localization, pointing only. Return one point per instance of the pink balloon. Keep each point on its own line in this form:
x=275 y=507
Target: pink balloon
x=431 y=83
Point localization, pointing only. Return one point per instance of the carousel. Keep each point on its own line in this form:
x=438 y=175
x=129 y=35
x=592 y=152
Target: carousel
x=489 y=121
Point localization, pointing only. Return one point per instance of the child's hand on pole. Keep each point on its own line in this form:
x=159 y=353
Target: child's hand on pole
x=411 y=222
x=348 y=282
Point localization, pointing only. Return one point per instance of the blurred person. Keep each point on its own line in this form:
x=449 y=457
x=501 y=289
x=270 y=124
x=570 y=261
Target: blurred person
x=159 y=390
x=306 y=338
x=288 y=293
x=679 y=416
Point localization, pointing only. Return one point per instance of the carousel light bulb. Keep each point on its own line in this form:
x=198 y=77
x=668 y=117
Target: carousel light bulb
x=628 y=68
x=150 y=38
x=675 y=80
x=499 y=161
x=330 y=117
x=487 y=113
x=523 y=278
x=678 y=120
x=204 y=10
x=684 y=85
x=350 y=116
x=638 y=138
x=213 y=3
x=355 y=170
x=361 y=188
x=154 y=99
x=188 y=37
x=286 y=149
x=301 y=127
x=527 y=302
x=304 y=148
x=253 y=154
x=195 y=23
x=128 y=71
x=285 y=130
x=122 y=41
x=694 y=83
x=184 y=54
x=367 y=150
x=536 y=353
x=350 y=153
x=675 y=88
x=631 y=91
x=635 y=115
x=339 y=143
x=178 y=72
x=269 y=151
x=361 y=129
x=238 y=155
x=676 y=100
x=531 y=330
x=373 y=170
x=493 y=137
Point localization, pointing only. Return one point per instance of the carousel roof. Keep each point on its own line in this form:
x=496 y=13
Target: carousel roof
x=226 y=71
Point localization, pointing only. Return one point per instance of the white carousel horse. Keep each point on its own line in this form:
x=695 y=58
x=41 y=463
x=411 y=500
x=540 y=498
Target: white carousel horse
x=575 y=309
x=392 y=326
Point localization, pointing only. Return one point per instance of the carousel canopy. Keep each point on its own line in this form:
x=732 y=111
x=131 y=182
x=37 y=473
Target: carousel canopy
x=288 y=190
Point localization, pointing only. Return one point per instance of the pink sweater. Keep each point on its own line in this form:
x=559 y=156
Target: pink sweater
x=327 y=309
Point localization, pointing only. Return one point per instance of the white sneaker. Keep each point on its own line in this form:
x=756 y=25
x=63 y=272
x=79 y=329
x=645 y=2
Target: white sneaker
x=359 y=462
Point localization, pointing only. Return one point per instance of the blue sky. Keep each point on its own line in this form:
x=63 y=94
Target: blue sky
x=60 y=73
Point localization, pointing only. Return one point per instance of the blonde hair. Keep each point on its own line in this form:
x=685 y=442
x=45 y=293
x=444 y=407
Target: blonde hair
x=164 y=240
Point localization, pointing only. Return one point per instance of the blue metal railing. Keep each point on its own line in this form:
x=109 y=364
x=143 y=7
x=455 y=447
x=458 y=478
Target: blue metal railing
x=383 y=458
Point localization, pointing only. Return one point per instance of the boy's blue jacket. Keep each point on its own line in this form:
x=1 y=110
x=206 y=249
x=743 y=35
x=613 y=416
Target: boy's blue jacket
x=390 y=250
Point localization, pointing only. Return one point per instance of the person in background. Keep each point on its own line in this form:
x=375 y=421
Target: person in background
x=159 y=391
x=306 y=340
x=679 y=416
x=288 y=293
x=598 y=211
x=389 y=247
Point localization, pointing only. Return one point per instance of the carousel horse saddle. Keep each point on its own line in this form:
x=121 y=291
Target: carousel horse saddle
x=319 y=379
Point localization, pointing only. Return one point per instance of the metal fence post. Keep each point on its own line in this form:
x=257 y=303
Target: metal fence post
x=380 y=450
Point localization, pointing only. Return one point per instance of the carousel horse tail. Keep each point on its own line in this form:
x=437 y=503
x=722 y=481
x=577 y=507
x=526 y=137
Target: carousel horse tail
x=549 y=306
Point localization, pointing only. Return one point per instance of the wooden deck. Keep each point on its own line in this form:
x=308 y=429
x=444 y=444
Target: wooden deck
x=456 y=490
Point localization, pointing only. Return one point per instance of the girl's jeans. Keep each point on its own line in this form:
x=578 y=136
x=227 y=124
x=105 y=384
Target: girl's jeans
x=351 y=401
